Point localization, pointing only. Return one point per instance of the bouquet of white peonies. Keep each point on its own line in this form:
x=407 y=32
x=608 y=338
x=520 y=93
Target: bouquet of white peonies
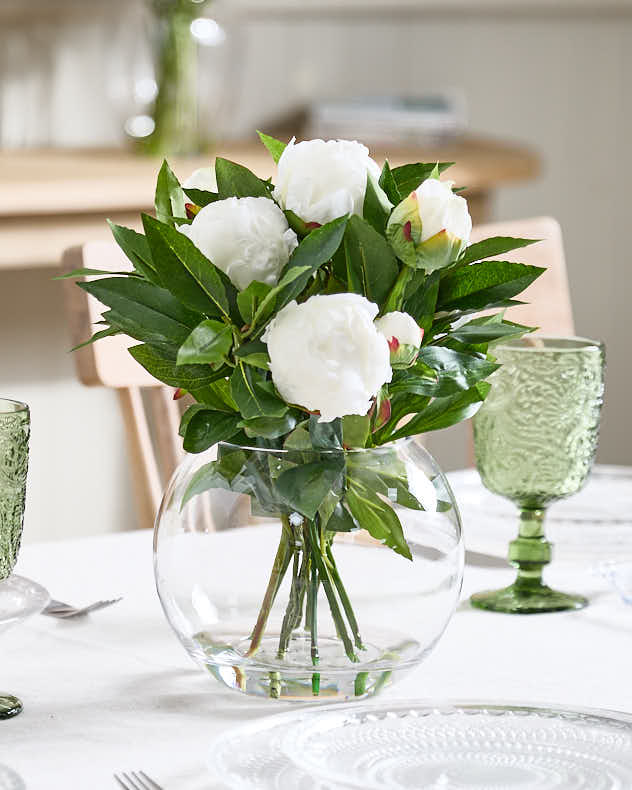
x=324 y=313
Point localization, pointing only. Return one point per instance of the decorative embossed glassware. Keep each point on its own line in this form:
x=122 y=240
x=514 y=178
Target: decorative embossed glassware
x=535 y=439
x=14 y=445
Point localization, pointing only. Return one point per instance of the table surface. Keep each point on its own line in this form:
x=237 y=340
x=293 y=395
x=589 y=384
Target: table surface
x=116 y=691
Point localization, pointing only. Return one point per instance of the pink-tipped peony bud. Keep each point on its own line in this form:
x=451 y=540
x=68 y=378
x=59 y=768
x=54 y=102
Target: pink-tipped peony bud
x=404 y=337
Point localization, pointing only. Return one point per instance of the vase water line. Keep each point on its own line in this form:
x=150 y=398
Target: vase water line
x=278 y=607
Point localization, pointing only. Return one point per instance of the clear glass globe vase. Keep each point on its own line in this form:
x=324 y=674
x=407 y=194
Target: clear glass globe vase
x=332 y=602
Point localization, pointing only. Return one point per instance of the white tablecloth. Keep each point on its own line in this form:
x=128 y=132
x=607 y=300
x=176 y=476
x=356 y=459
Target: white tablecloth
x=116 y=691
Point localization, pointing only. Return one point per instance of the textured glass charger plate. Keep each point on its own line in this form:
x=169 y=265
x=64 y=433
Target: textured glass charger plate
x=595 y=524
x=405 y=745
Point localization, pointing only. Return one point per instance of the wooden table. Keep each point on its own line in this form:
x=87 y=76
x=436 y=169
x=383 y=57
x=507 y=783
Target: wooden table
x=51 y=200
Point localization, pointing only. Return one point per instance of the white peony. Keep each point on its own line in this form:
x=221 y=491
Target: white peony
x=404 y=337
x=247 y=238
x=440 y=209
x=327 y=354
x=203 y=178
x=320 y=181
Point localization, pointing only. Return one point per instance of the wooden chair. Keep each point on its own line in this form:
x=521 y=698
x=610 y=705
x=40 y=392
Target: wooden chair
x=549 y=301
x=150 y=414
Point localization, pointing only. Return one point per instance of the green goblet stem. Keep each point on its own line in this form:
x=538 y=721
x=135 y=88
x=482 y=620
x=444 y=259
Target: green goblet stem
x=528 y=553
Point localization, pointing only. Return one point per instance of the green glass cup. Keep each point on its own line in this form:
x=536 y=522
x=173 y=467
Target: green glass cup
x=15 y=427
x=535 y=438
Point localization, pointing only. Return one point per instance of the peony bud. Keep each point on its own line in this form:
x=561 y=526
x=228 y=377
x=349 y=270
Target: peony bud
x=404 y=337
x=431 y=227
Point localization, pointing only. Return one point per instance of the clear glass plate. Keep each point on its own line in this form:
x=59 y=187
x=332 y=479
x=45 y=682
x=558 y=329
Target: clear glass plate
x=405 y=745
x=9 y=780
x=594 y=524
x=20 y=598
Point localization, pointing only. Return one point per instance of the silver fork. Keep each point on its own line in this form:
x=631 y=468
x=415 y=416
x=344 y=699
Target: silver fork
x=66 y=611
x=136 y=780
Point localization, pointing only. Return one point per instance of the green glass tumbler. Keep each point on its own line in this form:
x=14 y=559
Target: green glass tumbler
x=15 y=427
x=535 y=438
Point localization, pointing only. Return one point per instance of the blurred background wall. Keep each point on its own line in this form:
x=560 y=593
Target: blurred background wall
x=554 y=75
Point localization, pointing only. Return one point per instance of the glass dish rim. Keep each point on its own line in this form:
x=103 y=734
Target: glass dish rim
x=22 y=407
x=517 y=344
x=329 y=451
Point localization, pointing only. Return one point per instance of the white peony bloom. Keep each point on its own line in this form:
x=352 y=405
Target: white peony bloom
x=431 y=227
x=327 y=355
x=404 y=337
x=320 y=181
x=440 y=209
x=203 y=178
x=247 y=238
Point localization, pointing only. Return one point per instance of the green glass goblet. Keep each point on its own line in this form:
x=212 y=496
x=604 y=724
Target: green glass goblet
x=535 y=438
x=14 y=444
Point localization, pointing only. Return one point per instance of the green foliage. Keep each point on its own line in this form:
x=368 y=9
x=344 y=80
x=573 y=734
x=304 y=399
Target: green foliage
x=409 y=177
x=169 y=199
x=198 y=333
x=210 y=342
x=235 y=180
x=480 y=285
x=274 y=146
x=371 y=266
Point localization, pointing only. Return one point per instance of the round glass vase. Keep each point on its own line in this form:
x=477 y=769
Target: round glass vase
x=272 y=603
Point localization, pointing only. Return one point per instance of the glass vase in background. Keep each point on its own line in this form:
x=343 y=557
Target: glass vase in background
x=178 y=122
x=272 y=604
x=535 y=438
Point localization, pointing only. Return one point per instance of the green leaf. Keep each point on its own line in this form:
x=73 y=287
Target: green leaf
x=443 y=412
x=249 y=300
x=109 y=332
x=274 y=146
x=409 y=177
x=389 y=185
x=254 y=395
x=497 y=245
x=371 y=263
x=169 y=200
x=481 y=284
x=268 y=427
x=299 y=438
x=215 y=395
x=373 y=211
x=376 y=516
x=189 y=377
x=355 y=430
x=486 y=331
x=201 y=197
x=325 y=435
x=305 y=487
x=235 y=180
x=89 y=273
x=151 y=307
x=183 y=264
x=422 y=303
x=173 y=273
x=455 y=372
x=216 y=474
x=254 y=353
x=136 y=247
x=202 y=427
x=315 y=250
x=209 y=342
x=340 y=520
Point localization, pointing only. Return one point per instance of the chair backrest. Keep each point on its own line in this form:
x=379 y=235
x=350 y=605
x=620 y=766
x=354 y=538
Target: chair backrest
x=549 y=301
x=150 y=414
